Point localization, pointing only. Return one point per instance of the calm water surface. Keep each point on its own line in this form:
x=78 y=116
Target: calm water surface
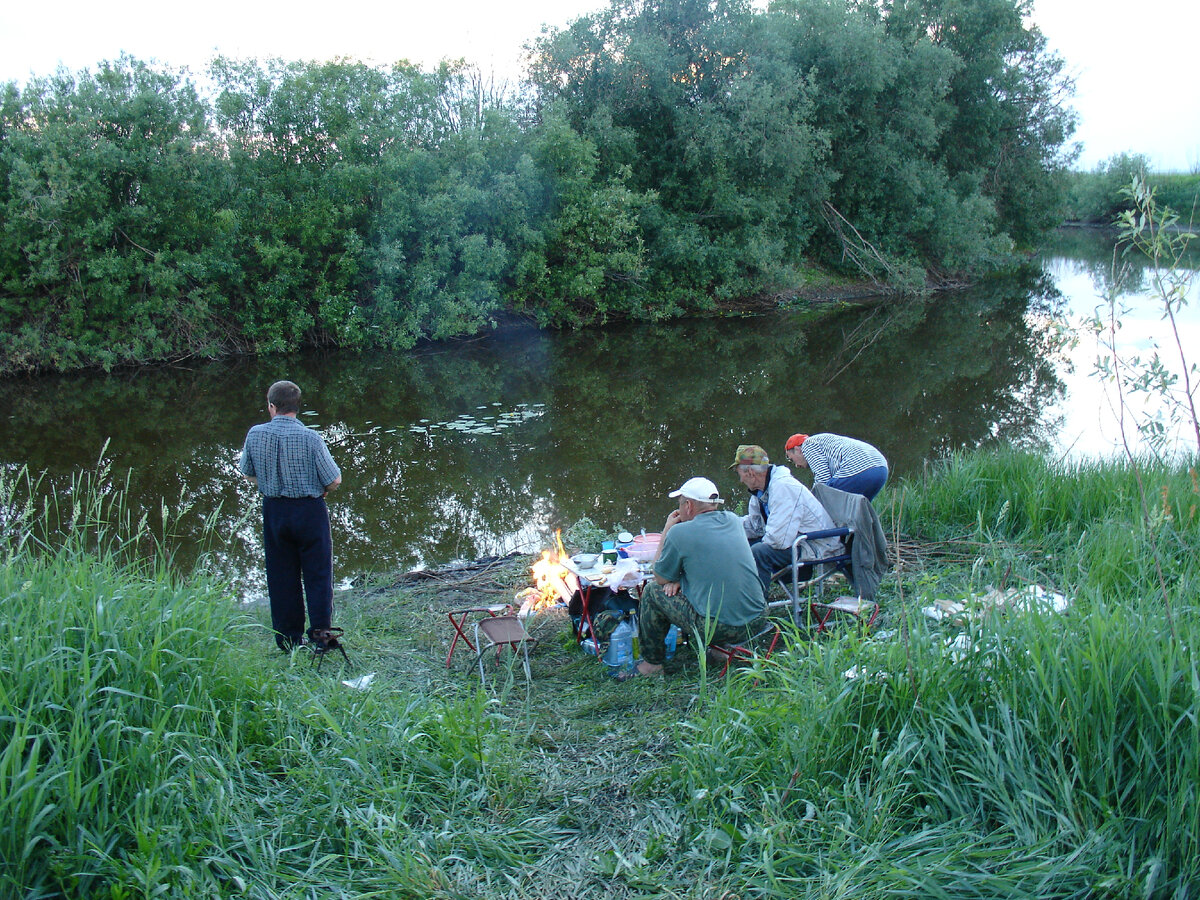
x=479 y=448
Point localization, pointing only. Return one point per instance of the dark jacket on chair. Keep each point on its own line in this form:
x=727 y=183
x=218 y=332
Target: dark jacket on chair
x=868 y=559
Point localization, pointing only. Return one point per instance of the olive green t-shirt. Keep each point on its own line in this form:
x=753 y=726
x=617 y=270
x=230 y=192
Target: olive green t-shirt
x=711 y=559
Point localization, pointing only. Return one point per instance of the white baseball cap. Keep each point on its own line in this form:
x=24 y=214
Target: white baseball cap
x=698 y=489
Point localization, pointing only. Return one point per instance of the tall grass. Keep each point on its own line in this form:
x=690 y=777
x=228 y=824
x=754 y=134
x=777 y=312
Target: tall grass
x=106 y=693
x=144 y=752
x=148 y=748
x=1079 y=524
x=1057 y=759
x=1040 y=755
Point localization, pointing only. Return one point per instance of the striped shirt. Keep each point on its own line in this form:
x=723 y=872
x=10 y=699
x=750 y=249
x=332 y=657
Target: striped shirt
x=288 y=459
x=833 y=456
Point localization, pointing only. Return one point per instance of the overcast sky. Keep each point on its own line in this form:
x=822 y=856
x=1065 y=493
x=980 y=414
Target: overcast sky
x=1133 y=60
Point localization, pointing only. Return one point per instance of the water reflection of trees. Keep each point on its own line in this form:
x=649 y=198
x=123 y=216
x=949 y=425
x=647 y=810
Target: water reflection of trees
x=1096 y=253
x=916 y=379
x=610 y=422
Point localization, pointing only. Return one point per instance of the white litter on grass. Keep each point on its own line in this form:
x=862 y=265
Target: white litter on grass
x=859 y=672
x=1037 y=598
x=960 y=646
x=1034 y=598
x=361 y=683
x=944 y=609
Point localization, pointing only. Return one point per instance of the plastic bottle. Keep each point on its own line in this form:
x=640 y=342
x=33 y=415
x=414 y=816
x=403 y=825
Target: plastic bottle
x=620 y=647
x=636 y=652
x=589 y=647
x=672 y=640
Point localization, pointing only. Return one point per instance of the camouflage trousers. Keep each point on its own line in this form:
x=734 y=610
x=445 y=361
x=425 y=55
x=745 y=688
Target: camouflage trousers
x=657 y=613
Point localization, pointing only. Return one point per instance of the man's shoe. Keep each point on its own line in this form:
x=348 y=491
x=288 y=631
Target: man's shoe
x=288 y=642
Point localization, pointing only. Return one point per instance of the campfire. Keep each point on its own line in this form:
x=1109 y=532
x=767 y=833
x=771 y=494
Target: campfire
x=552 y=580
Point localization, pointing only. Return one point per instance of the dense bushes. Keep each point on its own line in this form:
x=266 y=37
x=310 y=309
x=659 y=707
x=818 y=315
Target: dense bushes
x=667 y=155
x=1100 y=196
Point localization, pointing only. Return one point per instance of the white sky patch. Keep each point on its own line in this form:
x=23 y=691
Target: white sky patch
x=1135 y=76
x=1134 y=62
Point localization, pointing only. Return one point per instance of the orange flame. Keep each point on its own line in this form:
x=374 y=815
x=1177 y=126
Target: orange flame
x=549 y=575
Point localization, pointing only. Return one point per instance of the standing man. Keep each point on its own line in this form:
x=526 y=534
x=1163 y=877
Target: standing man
x=704 y=578
x=293 y=470
x=844 y=463
x=780 y=510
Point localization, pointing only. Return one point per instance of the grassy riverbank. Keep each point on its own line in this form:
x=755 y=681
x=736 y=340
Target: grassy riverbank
x=150 y=743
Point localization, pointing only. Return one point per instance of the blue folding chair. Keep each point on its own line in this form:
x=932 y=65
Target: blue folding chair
x=862 y=563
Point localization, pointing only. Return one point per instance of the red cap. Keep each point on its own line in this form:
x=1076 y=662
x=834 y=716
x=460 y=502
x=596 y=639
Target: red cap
x=795 y=441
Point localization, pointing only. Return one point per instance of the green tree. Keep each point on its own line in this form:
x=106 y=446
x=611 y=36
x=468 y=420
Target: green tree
x=683 y=100
x=882 y=103
x=586 y=261
x=309 y=147
x=1102 y=195
x=1010 y=123
x=108 y=210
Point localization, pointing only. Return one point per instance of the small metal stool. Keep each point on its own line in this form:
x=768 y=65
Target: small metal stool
x=323 y=640
x=460 y=622
x=745 y=649
x=499 y=632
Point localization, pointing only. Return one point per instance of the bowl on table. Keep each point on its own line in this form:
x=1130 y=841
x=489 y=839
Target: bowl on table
x=644 y=547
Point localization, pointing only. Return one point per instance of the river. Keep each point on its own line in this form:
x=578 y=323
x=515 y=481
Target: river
x=476 y=448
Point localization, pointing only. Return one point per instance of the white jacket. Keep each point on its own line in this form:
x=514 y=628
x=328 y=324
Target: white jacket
x=792 y=509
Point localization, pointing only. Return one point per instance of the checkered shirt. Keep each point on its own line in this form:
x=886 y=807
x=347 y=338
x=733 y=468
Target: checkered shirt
x=288 y=458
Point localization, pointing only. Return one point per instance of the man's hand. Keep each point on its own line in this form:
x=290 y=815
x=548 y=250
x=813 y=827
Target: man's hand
x=332 y=486
x=671 y=588
x=673 y=519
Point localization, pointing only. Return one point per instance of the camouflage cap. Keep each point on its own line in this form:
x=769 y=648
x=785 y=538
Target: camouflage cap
x=750 y=455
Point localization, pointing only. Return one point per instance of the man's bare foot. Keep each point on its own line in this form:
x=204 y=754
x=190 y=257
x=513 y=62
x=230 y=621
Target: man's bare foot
x=642 y=670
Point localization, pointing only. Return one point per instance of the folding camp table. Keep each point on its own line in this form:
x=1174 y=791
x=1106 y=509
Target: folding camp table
x=594 y=579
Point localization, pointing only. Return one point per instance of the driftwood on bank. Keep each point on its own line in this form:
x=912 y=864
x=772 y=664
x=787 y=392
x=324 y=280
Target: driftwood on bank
x=457 y=574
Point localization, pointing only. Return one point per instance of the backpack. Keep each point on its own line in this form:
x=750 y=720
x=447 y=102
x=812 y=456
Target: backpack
x=606 y=609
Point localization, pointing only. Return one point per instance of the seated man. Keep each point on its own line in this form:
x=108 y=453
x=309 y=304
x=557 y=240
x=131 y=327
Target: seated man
x=780 y=509
x=704 y=578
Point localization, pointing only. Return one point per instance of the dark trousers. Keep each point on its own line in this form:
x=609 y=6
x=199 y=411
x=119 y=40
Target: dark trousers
x=768 y=561
x=868 y=483
x=299 y=552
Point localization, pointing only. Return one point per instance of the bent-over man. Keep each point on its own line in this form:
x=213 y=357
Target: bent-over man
x=844 y=463
x=293 y=470
x=704 y=578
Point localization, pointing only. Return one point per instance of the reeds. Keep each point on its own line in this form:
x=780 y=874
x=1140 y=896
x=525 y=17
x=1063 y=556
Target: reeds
x=145 y=752
x=106 y=694
x=1055 y=758
x=1079 y=523
x=148 y=748
x=1022 y=754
